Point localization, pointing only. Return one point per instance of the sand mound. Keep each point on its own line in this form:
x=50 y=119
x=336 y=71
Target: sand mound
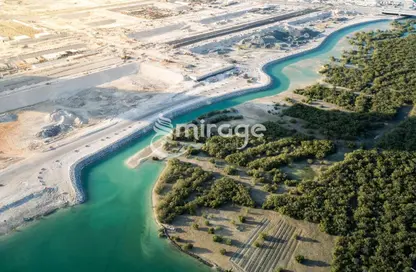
x=62 y=121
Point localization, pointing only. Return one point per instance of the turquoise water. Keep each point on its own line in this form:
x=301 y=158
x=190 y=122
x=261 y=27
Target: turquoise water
x=114 y=230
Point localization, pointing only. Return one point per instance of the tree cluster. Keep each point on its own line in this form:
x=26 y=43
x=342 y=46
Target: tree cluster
x=402 y=137
x=337 y=124
x=186 y=180
x=369 y=200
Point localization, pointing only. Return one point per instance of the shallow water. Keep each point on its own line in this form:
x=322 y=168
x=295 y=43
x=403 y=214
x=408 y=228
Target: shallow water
x=115 y=230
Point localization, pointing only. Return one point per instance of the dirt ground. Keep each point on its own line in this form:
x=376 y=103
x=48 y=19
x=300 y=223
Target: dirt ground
x=10 y=29
x=315 y=245
x=17 y=139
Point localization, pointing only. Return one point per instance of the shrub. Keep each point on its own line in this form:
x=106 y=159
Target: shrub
x=206 y=222
x=300 y=258
x=291 y=182
x=211 y=231
x=241 y=218
x=228 y=242
x=230 y=170
x=217 y=238
x=223 y=251
x=351 y=144
x=161 y=233
x=195 y=226
x=192 y=151
x=159 y=188
x=187 y=246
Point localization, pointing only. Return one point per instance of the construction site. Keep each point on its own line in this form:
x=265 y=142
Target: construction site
x=76 y=62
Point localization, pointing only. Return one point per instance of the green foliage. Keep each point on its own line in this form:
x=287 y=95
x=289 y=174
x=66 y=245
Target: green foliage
x=275 y=131
x=403 y=137
x=273 y=154
x=337 y=124
x=216 y=112
x=343 y=98
x=220 y=147
x=291 y=182
x=228 y=242
x=193 y=179
x=380 y=67
x=187 y=179
x=161 y=233
x=230 y=170
x=211 y=230
x=223 y=251
x=300 y=258
x=263 y=236
x=225 y=190
x=217 y=238
x=241 y=219
x=195 y=226
x=368 y=199
x=187 y=246
x=192 y=151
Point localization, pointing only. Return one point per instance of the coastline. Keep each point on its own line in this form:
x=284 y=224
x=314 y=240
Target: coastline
x=154 y=200
x=80 y=162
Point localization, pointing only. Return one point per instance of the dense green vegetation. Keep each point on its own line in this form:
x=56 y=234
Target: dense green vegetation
x=343 y=98
x=381 y=67
x=402 y=137
x=274 y=154
x=369 y=199
x=187 y=180
x=220 y=147
x=225 y=190
x=216 y=112
x=337 y=124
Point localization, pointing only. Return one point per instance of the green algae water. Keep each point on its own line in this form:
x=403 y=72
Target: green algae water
x=115 y=230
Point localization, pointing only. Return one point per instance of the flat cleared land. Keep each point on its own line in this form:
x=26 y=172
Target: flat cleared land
x=11 y=29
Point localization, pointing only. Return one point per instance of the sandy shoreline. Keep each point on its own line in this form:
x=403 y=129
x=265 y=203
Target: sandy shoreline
x=155 y=199
x=75 y=163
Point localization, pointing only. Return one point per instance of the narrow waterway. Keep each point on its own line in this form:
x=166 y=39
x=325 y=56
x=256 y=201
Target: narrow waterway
x=115 y=230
